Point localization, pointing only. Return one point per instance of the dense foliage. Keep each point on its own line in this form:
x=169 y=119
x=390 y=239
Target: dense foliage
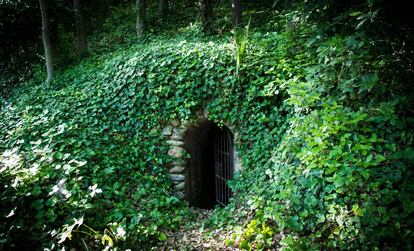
x=323 y=112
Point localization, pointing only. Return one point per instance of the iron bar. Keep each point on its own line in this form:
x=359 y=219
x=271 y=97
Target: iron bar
x=223 y=154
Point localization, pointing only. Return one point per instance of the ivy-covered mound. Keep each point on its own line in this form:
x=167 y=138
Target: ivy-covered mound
x=325 y=125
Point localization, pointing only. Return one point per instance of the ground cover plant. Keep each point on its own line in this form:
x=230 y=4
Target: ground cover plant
x=318 y=92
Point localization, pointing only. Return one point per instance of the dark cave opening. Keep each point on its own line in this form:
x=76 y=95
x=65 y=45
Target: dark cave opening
x=204 y=142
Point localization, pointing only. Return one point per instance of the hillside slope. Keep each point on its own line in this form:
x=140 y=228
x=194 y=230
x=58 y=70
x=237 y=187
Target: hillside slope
x=325 y=141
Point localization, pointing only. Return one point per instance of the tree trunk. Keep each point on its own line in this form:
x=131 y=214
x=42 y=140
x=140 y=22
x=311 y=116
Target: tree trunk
x=46 y=40
x=206 y=9
x=141 y=15
x=162 y=8
x=80 y=27
x=237 y=17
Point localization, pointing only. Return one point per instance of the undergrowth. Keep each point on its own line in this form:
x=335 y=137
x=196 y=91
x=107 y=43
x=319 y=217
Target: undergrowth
x=325 y=133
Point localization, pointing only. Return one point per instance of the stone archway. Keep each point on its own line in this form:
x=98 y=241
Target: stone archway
x=200 y=169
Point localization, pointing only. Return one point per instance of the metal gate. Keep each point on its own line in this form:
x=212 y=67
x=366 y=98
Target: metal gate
x=224 y=167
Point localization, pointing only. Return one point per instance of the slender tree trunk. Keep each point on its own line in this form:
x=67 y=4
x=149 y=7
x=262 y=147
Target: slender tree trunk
x=206 y=9
x=141 y=15
x=80 y=27
x=46 y=40
x=162 y=8
x=237 y=17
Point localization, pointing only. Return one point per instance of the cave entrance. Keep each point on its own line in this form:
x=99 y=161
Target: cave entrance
x=210 y=166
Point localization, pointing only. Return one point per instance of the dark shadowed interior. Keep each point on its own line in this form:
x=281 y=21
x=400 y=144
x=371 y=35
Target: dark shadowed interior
x=199 y=142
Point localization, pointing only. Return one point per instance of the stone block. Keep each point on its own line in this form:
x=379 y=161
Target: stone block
x=178 y=133
x=177 y=169
x=180 y=186
x=176 y=177
x=167 y=131
x=176 y=152
x=178 y=162
x=180 y=194
x=175 y=142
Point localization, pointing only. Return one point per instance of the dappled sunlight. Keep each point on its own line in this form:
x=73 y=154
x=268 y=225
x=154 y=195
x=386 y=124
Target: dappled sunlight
x=299 y=113
x=10 y=160
x=60 y=189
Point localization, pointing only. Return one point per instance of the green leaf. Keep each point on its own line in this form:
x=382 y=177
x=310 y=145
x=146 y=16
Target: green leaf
x=162 y=237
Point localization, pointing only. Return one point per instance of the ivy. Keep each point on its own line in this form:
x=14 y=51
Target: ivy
x=325 y=143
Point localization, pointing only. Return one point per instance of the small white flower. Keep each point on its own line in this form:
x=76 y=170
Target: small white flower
x=120 y=232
